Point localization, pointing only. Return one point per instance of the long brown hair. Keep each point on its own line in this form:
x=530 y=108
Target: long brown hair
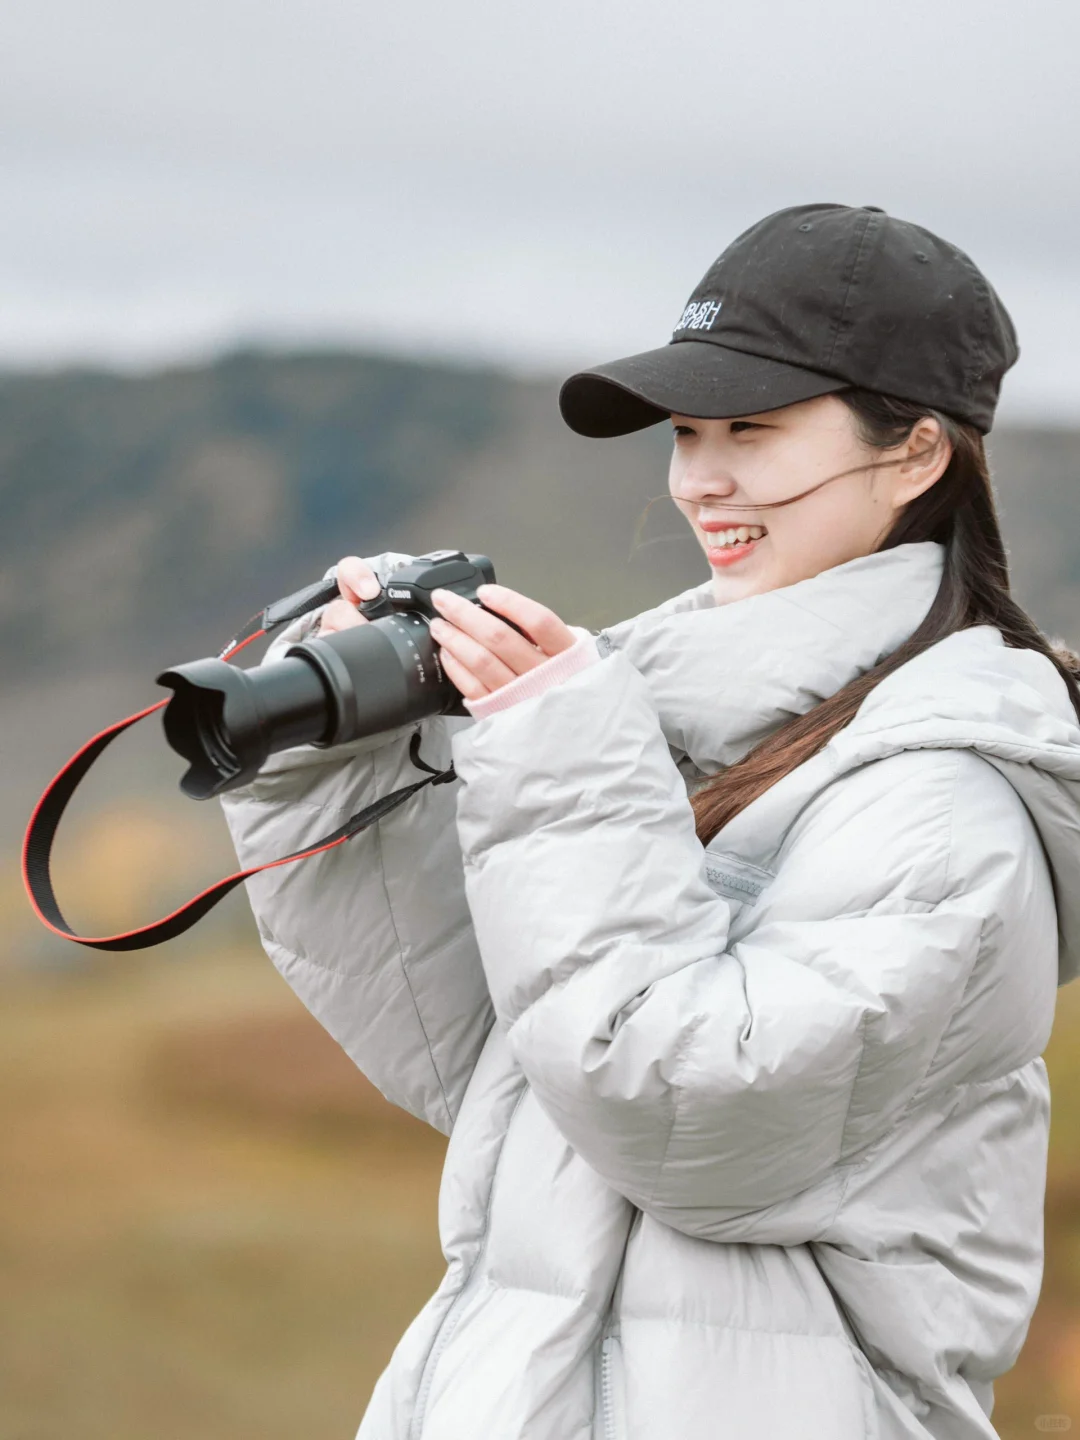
x=958 y=510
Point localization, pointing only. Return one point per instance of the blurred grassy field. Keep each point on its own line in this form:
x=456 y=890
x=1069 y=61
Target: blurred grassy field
x=210 y=1226
x=213 y=1228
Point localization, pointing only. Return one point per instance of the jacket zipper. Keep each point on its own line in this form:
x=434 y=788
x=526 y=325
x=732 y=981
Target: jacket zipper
x=610 y=1381
x=469 y=1285
x=446 y=1329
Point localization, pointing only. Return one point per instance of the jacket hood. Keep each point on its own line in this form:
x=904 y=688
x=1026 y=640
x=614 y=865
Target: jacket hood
x=724 y=677
x=972 y=691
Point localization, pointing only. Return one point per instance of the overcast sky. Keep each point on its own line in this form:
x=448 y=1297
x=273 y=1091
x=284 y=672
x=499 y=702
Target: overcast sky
x=534 y=181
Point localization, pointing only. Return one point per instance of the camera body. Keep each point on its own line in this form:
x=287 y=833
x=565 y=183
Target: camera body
x=326 y=691
x=408 y=590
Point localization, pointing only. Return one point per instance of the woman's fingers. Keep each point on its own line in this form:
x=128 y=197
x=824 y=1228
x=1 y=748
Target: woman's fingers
x=515 y=652
x=480 y=652
x=339 y=615
x=483 y=664
x=509 y=653
x=462 y=678
x=543 y=626
x=356 y=581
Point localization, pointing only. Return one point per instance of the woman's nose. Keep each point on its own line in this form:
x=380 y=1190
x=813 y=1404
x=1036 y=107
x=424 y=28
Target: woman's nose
x=700 y=485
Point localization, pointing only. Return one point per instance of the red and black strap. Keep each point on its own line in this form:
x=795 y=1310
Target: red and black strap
x=41 y=832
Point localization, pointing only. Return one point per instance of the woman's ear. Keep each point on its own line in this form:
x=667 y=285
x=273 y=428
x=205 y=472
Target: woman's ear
x=920 y=460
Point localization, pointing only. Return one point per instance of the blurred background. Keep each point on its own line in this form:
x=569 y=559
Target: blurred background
x=281 y=282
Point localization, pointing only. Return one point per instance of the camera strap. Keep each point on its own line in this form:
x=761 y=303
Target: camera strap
x=41 y=832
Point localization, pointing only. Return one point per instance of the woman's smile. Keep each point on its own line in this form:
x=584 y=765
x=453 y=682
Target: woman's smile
x=728 y=544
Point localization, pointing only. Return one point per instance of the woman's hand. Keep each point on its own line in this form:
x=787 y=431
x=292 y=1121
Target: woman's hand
x=481 y=654
x=356 y=581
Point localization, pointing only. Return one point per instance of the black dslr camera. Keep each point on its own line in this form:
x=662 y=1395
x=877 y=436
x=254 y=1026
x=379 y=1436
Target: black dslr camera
x=361 y=681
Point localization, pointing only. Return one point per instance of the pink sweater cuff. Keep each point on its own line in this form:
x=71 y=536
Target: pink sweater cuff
x=580 y=656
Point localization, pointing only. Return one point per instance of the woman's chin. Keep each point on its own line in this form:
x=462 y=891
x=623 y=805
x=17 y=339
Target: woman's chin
x=730 y=584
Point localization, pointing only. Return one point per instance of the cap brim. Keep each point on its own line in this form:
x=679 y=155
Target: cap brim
x=687 y=377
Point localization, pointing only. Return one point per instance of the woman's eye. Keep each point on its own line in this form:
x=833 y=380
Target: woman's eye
x=680 y=431
x=737 y=426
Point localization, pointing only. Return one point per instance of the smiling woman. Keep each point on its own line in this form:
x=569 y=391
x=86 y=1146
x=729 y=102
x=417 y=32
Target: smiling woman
x=730 y=973
x=745 y=473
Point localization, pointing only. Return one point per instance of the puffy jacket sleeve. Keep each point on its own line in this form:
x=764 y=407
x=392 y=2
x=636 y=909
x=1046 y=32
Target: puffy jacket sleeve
x=698 y=1074
x=374 y=936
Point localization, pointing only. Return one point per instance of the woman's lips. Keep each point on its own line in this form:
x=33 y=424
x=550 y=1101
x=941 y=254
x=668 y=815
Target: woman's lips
x=720 y=556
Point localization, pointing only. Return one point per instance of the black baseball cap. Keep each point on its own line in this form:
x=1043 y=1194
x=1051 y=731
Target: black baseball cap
x=811 y=300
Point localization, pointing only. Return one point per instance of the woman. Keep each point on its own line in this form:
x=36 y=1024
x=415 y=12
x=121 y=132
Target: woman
x=746 y=1111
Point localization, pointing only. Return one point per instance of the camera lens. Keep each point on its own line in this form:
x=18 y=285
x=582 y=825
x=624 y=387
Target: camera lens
x=214 y=737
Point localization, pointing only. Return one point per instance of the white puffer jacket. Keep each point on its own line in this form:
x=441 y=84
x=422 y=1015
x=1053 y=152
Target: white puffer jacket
x=746 y=1141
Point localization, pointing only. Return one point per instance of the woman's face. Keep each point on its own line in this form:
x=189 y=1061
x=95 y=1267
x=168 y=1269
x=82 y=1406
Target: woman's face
x=717 y=465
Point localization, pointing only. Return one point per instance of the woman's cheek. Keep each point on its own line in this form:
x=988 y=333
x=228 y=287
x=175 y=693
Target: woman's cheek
x=792 y=553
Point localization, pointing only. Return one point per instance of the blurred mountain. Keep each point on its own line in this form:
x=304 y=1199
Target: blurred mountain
x=1037 y=479
x=138 y=515
x=143 y=518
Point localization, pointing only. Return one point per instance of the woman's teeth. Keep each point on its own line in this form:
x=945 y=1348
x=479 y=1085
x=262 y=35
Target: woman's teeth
x=739 y=534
